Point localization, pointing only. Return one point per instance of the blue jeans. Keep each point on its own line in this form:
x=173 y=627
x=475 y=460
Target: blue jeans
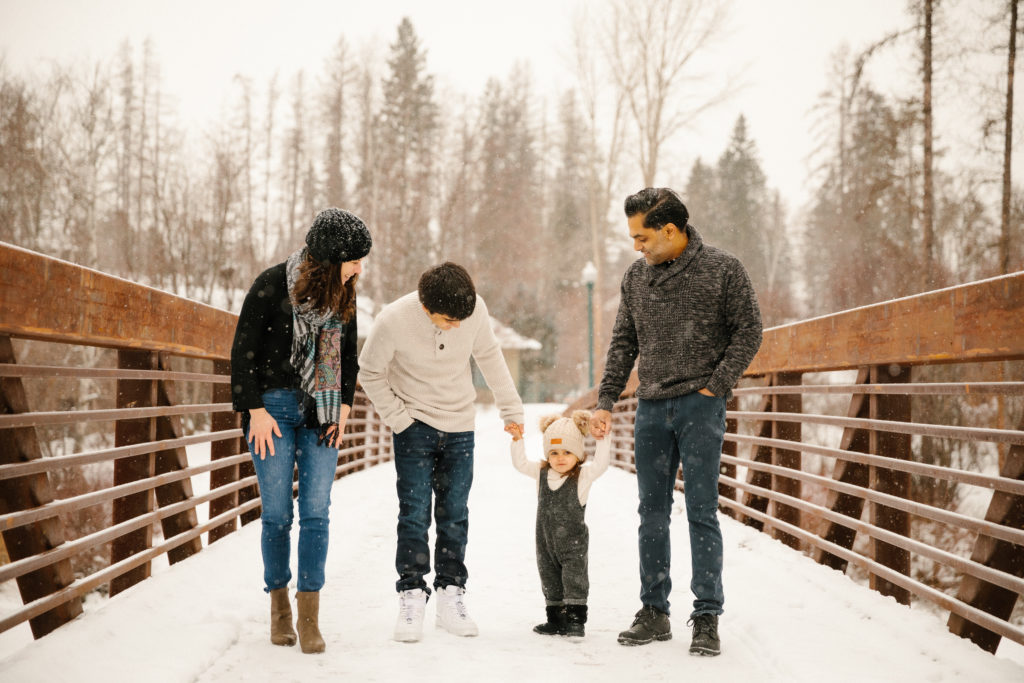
x=432 y=462
x=295 y=447
x=689 y=428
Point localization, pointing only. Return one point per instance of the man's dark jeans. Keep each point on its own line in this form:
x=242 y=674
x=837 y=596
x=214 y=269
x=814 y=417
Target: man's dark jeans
x=432 y=463
x=687 y=428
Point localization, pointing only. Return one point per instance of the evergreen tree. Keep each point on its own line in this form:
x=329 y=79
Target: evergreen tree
x=742 y=197
x=407 y=129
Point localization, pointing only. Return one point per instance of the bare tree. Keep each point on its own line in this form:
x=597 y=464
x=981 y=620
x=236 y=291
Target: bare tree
x=273 y=93
x=244 y=126
x=605 y=130
x=1011 y=55
x=928 y=200
x=651 y=46
x=295 y=157
x=340 y=81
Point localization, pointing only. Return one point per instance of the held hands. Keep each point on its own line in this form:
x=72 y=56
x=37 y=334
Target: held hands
x=600 y=423
x=262 y=428
x=516 y=430
x=601 y=420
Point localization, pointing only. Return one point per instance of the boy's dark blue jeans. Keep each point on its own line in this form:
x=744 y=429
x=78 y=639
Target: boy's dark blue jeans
x=687 y=429
x=439 y=465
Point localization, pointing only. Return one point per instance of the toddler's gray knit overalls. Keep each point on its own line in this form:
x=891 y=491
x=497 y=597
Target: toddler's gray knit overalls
x=562 y=542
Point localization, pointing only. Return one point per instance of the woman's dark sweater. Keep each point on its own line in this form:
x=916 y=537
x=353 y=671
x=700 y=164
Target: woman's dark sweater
x=261 y=352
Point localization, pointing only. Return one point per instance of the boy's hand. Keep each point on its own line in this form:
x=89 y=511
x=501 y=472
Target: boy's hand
x=516 y=430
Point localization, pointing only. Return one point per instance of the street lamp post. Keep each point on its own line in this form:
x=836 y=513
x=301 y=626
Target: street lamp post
x=589 y=277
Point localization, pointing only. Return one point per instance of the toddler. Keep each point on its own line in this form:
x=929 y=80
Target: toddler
x=563 y=483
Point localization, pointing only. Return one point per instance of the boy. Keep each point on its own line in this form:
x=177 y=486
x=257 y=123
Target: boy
x=415 y=368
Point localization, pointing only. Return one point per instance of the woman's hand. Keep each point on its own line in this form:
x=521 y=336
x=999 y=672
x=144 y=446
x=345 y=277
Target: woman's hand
x=262 y=427
x=335 y=434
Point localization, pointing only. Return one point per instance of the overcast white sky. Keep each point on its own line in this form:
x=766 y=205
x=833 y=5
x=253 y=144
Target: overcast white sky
x=781 y=46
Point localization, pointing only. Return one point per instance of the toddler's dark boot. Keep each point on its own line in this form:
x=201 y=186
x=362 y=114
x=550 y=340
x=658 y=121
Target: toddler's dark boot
x=575 y=618
x=555 y=625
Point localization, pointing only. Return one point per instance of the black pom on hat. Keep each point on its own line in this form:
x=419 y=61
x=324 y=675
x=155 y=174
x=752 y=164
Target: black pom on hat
x=337 y=236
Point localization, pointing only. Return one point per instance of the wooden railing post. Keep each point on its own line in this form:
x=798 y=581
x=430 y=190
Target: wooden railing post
x=766 y=429
x=173 y=460
x=223 y=449
x=896 y=446
x=1006 y=509
x=855 y=440
x=21 y=493
x=133 y=393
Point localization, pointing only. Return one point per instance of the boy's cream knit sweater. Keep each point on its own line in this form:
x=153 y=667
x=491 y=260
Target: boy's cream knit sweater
x=412 y=370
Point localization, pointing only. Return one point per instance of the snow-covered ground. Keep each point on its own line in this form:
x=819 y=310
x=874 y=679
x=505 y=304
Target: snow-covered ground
x=787 y=618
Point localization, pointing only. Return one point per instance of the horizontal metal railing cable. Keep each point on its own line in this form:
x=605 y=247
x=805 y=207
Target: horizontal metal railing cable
x=74 y=503
x=926 y=389
x=22 y=469
x=935 y=514
x=40 y=419
x=988 y=481
x=46 y=371
x=1009 y=436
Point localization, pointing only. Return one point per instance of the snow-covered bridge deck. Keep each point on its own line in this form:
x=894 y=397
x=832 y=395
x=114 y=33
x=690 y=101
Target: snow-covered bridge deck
x=787 y=618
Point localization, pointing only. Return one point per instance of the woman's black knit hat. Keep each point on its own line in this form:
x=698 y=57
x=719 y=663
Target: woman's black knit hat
x=337 y=236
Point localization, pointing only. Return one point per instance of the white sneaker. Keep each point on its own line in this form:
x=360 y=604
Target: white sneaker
x=451 y=612
x=411 y=605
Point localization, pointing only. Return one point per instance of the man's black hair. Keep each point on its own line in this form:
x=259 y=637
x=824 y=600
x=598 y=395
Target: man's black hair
x=447 y=289
x=659 y=206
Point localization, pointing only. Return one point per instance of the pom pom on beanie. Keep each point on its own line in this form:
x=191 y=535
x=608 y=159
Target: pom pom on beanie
x=566 y=433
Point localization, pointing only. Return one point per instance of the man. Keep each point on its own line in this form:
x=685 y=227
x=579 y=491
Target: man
x=415 y=368
x=689 y=315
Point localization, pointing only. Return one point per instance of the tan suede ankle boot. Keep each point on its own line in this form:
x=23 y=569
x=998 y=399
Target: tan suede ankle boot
x=308 y=623
x=281 y=631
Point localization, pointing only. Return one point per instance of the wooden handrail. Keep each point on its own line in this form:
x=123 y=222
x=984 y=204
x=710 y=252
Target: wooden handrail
x=46 y=298
x=979 y=321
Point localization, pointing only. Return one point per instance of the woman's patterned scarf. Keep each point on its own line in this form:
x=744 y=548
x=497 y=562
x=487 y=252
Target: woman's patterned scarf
x=316 y=351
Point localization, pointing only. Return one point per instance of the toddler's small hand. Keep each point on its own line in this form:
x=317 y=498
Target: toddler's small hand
x=516 y=430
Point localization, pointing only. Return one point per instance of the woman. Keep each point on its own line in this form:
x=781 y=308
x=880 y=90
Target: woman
x=293 y=376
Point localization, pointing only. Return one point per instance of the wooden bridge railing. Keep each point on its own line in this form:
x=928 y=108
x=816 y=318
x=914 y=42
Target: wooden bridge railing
x=876 y=441
x=96 y=484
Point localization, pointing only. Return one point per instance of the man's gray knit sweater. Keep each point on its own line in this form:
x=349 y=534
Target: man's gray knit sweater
x=694 y=323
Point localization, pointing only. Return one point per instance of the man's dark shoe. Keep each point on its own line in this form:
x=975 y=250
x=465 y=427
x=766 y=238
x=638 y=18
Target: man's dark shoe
x=650 y=624
x=705 y=636
x=555 y=625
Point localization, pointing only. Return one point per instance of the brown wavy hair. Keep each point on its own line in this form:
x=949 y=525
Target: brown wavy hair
x=321 y=287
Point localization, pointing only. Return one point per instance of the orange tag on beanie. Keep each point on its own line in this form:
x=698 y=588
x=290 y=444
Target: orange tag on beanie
x=556 y=442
